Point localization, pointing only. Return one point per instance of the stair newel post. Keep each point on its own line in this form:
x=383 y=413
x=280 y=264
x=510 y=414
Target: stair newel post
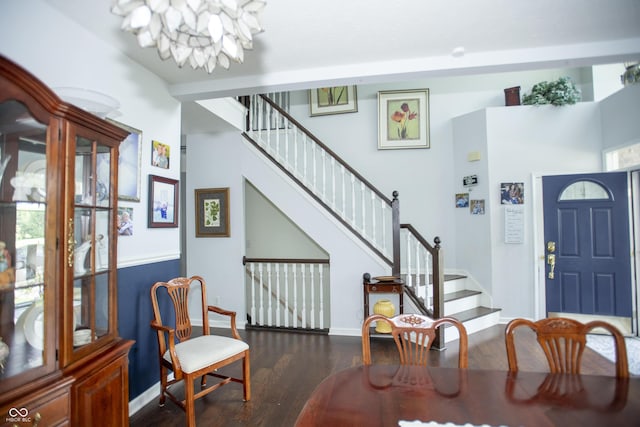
x=395 y=218
x=438 y=291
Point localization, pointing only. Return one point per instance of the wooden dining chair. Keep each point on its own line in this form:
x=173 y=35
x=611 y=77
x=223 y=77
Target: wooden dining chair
x=414 y=335
x=563 y=341
x=190 y=357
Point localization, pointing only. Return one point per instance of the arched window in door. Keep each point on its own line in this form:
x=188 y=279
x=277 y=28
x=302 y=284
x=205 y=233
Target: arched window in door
x=584 y=190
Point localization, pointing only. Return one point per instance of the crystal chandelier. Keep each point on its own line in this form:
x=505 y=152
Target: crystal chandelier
x=202 y=32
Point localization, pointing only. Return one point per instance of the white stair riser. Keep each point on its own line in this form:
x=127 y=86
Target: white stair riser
x=461 y=304
x=473 y=325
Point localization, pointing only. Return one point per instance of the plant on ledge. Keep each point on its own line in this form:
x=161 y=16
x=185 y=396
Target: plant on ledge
x=559 y=92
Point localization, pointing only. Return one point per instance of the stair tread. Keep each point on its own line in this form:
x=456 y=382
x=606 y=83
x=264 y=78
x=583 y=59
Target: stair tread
x=473 y=313
x=452 y=296
x=447 y=277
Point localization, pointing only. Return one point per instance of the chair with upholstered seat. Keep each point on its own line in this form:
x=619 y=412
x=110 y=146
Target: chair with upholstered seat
x=189 y=356
x=413 y=335
x=563 y=341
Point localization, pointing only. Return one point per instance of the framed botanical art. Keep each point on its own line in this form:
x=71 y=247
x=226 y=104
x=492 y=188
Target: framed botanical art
x=129 y=164
x=212 y=212
x=163 y=202
x=403 y=119
x=333 y=100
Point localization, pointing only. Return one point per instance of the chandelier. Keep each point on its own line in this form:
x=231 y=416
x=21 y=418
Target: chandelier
x=202 y=32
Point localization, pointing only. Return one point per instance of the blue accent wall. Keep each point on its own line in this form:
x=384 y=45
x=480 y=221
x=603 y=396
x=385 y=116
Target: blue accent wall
x=135 y=314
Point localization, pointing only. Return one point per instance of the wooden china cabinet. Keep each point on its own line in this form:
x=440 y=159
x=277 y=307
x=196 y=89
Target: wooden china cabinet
x=61 y=360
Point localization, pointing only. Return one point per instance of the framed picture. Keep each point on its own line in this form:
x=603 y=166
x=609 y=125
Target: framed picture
x=163 y=202
x=477 y=207
x=403 y=119
x=125 y=221
x=333 y=100
x=160 y=154
x=129 y=161
x=512 y=193
x=212 y=212
x=462 y=200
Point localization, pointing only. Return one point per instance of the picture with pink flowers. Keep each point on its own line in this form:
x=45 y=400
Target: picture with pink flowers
x=403 y=119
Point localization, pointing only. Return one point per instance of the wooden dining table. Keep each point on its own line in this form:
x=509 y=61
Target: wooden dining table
x=392 y=395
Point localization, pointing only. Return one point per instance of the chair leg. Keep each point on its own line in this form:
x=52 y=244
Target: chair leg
x=189 y=404
x=246 y=377
x=163 y=385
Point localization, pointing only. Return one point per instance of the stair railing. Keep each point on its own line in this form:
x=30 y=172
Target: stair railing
x=351 y=199
x=356 y=203
x=287 y=293
x=422 y=269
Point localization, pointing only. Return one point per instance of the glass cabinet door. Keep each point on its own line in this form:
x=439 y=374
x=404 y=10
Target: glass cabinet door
x=26 y=289
x=89 y=246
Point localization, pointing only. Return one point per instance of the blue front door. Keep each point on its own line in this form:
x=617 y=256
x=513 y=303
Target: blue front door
x=587 y=244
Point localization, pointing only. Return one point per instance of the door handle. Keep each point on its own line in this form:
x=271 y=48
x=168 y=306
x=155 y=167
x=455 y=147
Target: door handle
x=551 y=260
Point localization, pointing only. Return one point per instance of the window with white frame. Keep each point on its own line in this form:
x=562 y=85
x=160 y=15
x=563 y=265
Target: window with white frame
x=623 y=158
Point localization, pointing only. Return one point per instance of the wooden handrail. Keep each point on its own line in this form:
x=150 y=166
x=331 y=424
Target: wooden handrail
x=245 y=260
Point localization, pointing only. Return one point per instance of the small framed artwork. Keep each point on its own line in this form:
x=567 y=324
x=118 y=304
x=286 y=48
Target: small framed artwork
x=477 y=207
x=403 y=119
x=129 y=161
x=212 y=212
x=160 y=154
x=125 y=221
x=512 y=193
x=333 y=100
x=462 y=200
x=163 y=202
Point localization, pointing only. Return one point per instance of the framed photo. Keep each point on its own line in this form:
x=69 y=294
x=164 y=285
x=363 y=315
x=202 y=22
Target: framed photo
x=129 y=161
x=403 y=119
x=163 y=202
x=212 y=212
x=333 y=100
x=512 y=193
x=160 y=154
x=462 y=200
x=125 y=221
x=477 y=207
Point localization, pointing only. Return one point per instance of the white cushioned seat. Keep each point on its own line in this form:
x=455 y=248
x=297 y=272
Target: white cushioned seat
x=205 y=350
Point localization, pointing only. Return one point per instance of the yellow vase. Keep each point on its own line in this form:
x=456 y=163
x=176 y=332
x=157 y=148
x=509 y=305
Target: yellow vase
x=386 y=308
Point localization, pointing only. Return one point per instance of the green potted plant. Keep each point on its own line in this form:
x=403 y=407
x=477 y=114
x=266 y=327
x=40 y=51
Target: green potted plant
x=559 y=92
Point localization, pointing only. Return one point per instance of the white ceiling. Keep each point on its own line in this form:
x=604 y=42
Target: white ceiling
x=313 y=43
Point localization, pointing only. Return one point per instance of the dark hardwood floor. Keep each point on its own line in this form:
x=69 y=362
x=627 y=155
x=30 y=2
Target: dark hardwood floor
x=286 y=367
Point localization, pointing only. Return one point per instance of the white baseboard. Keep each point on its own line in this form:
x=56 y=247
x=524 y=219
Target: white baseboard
x=145 y=398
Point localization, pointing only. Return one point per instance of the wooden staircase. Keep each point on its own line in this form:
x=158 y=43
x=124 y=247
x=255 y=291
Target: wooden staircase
x=463 y=302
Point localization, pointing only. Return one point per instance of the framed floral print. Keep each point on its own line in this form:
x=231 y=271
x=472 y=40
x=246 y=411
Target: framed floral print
x=212 y=212
x=403 y=119
x=333 y=100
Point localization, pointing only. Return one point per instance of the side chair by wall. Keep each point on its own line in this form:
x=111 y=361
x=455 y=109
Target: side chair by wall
x=414 y=335
x=563 y=341
x=188 y=356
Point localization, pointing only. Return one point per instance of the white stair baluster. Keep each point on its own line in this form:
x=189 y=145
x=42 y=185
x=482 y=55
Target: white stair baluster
x=321 y=294
x=269 y=296
x=261 y=282
x=278 y=300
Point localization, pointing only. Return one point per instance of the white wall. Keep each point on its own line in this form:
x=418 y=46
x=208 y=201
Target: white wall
x=270 y=234
x=424 y=178
x=61 y=53
x=518 y=141
x=228 y=161
x=621 y=117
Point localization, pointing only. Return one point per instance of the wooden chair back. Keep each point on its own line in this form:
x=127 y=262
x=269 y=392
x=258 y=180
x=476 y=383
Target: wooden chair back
x=563 y=342
x=413 y=335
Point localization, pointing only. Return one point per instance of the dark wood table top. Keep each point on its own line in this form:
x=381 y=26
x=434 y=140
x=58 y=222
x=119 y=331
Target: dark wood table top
x=383 y=395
